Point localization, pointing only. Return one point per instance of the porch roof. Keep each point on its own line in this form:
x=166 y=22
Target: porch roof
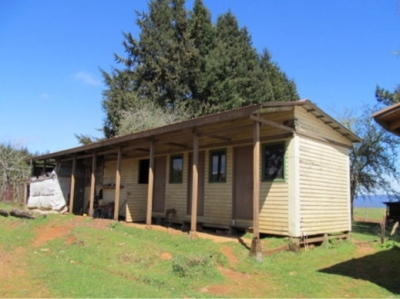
x=220 y=127
x=389 y=118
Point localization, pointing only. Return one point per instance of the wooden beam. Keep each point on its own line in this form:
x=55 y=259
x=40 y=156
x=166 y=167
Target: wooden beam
x=182 y=145
x=224 y=130
x=271 y=123
x=150 y=187
x=72 y=186
x=92 y=183
x=216 y=136
x=117 y=184
x=256 y=249
x=143 y=149
x=394 y=124
x=256 y=180
x=195 y=186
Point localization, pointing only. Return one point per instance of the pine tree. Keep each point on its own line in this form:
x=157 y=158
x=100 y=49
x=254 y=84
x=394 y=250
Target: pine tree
x=283 y=89
x=202 y=32
x=182 y=59
x=119 y=97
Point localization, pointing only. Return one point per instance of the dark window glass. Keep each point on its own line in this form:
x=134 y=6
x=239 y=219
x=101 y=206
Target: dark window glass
x=273 y=161
x=176 y=169
x=144 y=171
x=218 y=166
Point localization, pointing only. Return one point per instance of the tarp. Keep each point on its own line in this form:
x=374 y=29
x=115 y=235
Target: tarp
x=49 y=192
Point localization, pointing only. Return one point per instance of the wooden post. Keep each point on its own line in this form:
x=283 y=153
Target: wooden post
x=150 y=186
x=256 y=249
x=25 y=194
x=92 y=184
x=383 y=230
x=195 y=186
x=117 y=184
x=44 y=167
x=72 y=187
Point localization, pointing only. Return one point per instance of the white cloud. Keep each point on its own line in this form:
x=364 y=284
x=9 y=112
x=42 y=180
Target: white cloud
x=87 y=78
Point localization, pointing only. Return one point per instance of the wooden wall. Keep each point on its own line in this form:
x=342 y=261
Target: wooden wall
x=324 y=180
x=324 y=188
x=176 y=193
x=133 y=196
x=218 y=196
x=308 y=123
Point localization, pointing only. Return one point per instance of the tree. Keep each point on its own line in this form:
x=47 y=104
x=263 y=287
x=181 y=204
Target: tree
x=373 y=160
x=386 y=97
x=148 y=115
x=182 y=59
x=14 y=171
x=234 y=75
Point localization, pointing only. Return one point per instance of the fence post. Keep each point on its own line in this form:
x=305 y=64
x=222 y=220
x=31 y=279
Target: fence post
x=383 y=230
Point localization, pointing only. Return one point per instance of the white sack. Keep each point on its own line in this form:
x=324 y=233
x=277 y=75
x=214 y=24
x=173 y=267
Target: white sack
x=49 y=193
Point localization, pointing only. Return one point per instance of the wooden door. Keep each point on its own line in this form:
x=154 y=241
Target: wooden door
x=243 y=183
x=200 y=195
x=160 y=164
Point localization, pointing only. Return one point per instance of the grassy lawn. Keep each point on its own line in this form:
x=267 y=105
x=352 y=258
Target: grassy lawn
x=69 y=256
x=369 y=214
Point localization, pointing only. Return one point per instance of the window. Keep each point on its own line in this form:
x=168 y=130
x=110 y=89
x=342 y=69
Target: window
x=144 y=171
x=273 y=162
x=176 y=169
x=218 y=166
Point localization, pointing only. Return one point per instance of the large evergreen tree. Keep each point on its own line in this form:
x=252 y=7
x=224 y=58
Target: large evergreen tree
x=182 y=59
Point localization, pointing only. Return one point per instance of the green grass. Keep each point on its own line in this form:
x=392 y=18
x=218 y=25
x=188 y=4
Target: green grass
x=122 y=262
x=369 y=214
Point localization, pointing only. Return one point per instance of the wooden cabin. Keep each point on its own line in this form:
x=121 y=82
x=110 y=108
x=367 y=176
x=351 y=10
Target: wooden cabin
x=278 y=168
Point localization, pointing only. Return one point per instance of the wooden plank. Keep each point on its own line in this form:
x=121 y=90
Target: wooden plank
x=117 y=184
x=256 y=180
x=92 y=183
x=150 y=186
x=72 y=187
x=271 y=123
x=195 y=184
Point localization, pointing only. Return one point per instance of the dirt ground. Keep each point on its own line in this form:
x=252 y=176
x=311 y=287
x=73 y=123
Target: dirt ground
x=15 y=275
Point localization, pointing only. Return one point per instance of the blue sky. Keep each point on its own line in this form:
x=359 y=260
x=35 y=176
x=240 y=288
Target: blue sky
x=51 y=52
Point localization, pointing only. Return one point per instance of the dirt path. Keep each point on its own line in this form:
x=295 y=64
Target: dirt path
x=15 y=281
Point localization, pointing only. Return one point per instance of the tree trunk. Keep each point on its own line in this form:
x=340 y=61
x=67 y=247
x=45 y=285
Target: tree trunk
x=21 y=213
